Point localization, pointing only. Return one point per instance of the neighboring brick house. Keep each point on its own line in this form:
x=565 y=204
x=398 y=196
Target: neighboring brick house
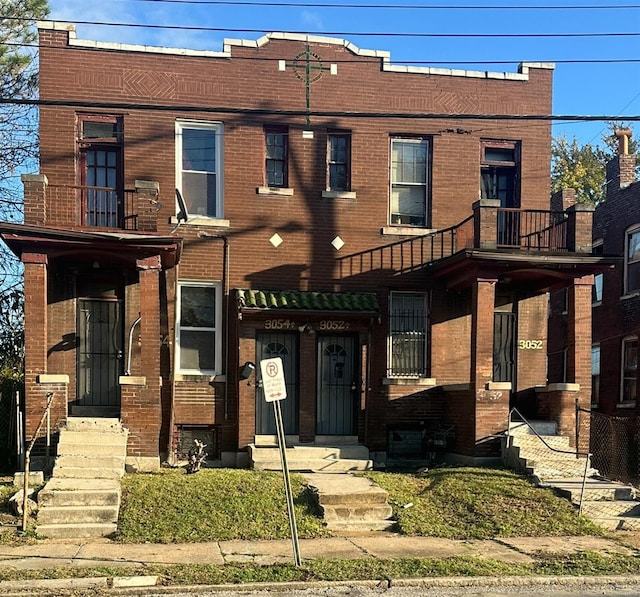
x=295 y=197
x=616 y=296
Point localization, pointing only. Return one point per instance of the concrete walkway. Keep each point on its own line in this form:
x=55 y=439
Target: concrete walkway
x=102 y=552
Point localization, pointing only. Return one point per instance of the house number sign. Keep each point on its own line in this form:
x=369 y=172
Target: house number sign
x=333 y=325
x=279 y=324
x=530 y=344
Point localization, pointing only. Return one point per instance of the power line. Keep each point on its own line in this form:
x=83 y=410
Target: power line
x=316 y=113
x=391 y=6
x=342 y=33
x=364 y=60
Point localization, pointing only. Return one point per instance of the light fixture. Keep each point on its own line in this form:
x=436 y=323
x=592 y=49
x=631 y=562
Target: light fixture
x=246 y=370
x=307 y=327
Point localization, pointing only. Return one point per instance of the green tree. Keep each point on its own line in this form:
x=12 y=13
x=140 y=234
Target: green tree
x=18 y=154
x=582 y=167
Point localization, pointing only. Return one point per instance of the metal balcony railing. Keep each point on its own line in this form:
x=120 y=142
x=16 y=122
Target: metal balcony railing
x=531 y=229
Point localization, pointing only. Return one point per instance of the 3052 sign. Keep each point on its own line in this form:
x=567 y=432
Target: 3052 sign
x=530 y=344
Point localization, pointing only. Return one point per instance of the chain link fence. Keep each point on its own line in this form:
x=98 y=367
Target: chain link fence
x=614 y=445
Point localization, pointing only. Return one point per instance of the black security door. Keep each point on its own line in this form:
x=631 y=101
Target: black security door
x=504 y=346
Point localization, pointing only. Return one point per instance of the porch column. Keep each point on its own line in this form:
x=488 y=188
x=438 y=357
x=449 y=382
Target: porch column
x=35 y=337
x=579 y=227
x=485 y=223
x=491 y=401
x=578 y=356
x=141 y=410
x=35 y=198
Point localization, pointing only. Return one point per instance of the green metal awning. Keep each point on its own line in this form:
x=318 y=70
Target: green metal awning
x=299 y=300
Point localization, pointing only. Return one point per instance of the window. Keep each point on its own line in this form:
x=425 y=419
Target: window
x=499 y=168
x=632 y=261
x=338 y=161
x=407 y=335
x=409 y=180
x=629 y=368
x=100 y=140
x=199 y=167
x=595 y=374
x=198 y=328
x=596 y=289
x=276 y=156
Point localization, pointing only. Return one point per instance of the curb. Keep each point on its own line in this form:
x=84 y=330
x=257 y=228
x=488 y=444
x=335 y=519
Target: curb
x=133 y=585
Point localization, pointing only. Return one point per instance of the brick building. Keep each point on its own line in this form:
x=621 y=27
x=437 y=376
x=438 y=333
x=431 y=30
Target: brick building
x=295 y=196
x=616 y=296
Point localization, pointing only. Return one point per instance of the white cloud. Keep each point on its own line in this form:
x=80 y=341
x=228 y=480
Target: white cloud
x=312 y=20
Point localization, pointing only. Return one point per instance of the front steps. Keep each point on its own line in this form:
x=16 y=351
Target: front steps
x=609 y=504
x=313 y=458
x=82 y=499
x=350 y=503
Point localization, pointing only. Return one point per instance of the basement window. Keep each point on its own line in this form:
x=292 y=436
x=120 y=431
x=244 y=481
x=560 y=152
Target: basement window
x=208 y=434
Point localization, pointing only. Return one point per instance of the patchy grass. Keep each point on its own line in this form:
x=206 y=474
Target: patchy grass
x=478 y=503
x=213 y=505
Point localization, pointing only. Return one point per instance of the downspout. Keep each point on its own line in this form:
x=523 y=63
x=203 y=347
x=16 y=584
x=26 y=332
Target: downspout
x=172 y=356
x=133 y=325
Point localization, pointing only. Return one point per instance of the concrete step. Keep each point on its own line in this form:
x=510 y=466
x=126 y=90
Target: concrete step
x=94 y=424
x=360 y=526
x=74 y=443
x=80 y=492
x=618 y=523
x=611 y=508
x=72 y=531
x=96 y=461
x=594 y=489
x=350 y=452
x=76 y=472
x=93 y=437
x=558 y=442
x=350 y=513
x=540 y=427
x=77 y=515
x=316 y=465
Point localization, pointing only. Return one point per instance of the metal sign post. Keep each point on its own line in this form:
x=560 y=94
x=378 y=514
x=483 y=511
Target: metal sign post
x=275 y=390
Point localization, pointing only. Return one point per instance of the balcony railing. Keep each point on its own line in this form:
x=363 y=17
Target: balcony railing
x=531 y=229
x=94 y=207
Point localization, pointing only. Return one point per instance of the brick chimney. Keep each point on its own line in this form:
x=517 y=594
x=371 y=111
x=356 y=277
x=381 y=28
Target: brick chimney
x=563 y=199
x=621 y=170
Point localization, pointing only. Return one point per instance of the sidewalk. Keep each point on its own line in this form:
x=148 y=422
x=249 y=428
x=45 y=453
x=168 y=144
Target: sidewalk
x=94 y=553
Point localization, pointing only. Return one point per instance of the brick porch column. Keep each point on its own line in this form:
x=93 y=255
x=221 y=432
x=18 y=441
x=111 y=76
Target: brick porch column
x=491 y=404
x=35 y=195
x=578 y=355
x=35 y=341
x=141 y=407
x=485 y=224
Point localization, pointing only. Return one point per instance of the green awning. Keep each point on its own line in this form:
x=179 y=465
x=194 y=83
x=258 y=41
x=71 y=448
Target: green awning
x=299 y=300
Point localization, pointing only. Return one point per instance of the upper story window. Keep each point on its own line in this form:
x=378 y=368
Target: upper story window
x=407 y=334
x=598 y=279
x=632 y=260
x=276 y=140
x=199 y=167
x=629 y=369
x=199 y=343
x=338 y=161
x=595 y=374
x=100 y=141
x=500 y=172
x=409 y=203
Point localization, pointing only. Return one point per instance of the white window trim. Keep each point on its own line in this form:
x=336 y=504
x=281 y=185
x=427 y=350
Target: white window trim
x=425 y=367
x=597 y=243
x=593 y=347
x=217 y=327
x=427 y=197
x=621 y=402
x=218 y=127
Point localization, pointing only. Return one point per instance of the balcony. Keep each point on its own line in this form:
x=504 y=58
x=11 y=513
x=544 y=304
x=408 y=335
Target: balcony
x=490 y=228
x=103 y=208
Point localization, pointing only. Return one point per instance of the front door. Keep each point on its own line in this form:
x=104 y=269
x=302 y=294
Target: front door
x=337 y=383
x=504 y=346
x=100 y=355
x=285 y=346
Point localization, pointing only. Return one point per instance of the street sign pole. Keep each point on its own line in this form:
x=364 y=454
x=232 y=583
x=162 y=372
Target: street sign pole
x=275 y=390
x=287 y=483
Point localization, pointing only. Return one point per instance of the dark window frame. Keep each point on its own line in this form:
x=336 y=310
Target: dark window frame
x=333 y=164
x=275 y=165
x=502 y=174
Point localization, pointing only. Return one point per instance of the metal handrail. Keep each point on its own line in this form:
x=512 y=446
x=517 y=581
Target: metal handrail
x=577 y=451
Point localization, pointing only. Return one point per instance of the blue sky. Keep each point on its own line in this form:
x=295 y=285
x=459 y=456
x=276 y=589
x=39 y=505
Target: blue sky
x=580 y=89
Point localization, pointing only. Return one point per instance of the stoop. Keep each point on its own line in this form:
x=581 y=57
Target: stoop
x=315 y=458
x=82 y=499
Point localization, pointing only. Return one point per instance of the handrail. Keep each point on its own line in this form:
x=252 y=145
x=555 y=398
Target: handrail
x=27 y=460
x=577 y=451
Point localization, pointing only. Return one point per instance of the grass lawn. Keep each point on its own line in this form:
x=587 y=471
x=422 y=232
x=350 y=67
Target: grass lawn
x=221 y=504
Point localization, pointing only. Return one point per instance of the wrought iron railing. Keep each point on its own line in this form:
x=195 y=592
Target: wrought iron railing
x=532 y=229
x=95 y=207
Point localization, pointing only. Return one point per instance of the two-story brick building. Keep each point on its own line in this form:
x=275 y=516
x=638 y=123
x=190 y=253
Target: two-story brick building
x=384 y=229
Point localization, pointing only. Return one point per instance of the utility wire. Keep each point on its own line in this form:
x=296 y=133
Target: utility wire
x=392 y=6
x=367 y=60
x=318 y=113
x=341 y=33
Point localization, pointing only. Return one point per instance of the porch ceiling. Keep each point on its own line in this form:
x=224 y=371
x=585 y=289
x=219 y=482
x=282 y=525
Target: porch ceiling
x=56 y=242
x=538 y=273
